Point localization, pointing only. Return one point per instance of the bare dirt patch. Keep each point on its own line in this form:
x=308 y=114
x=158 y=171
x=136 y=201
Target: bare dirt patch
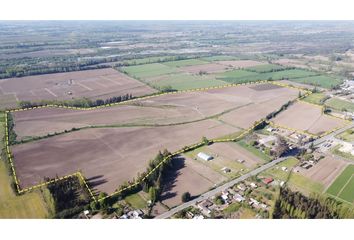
x=94 y=84
x=188 y=176
x=165 y=109
x=107 y=157
x=307 y=117
x=326 y=170
x=233 y=152
x=264 y=87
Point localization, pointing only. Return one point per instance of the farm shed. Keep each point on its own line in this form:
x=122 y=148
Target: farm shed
x=204 y=156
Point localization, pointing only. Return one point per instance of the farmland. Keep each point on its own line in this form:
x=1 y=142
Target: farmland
x=184 y=81
x=306 y=117
x=183 y=63
x=31 y=205
x=161 y=110
x=315 y=98
x=343 y=186
x=265 y=68
x=105 y=154
x=239 y=76
x=148 y=70
x=93 y=84
x=321 y=81
x=340 y=105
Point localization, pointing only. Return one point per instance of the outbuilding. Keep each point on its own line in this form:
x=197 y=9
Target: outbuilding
x=204 y=156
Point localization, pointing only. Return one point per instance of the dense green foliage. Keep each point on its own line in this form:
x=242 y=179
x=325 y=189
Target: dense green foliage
x=70 y=197
x=10 y=128
x=295 y=205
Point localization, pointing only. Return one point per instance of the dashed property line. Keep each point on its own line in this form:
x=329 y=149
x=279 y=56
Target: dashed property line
x=112 y=104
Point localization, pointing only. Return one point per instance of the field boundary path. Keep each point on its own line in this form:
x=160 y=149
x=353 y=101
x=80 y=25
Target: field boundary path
x=185 y=149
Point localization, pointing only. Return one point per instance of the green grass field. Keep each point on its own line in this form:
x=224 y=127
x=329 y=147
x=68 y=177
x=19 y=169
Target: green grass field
x=265 y=68
x=241 y=76
x=136 y=201
x=340 y=105
x=254 y=150
x=347 y=155
x=183 y=63
x=315 y=98
x=148 y=70
x=29 y=205
x=343 y=186
x=347 y=135
x=220 y=58
x=321 y=81
x=182 y=81
x=296 y=180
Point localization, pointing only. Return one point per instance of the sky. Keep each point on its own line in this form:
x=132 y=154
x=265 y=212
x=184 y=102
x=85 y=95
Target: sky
x=176 y=10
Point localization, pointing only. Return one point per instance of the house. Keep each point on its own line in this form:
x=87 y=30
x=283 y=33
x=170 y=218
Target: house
x=238 y=198
x=204 y=156
x=242 y=187
x=204 y=206
x=225 y=196
x=268 y=180
x=198 y=217
x=226 y=170
x=254 y=203
x=253 y=185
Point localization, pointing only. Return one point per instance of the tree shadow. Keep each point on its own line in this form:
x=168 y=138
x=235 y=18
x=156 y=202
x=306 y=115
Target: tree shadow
x=95 y=181
x=178 y=162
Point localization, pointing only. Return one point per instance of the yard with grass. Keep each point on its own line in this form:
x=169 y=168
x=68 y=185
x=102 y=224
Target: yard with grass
x=136 y=201
x=320 y=81
x=315 y=98
x=296 y=180
x=340 y=105
x=184 y=81
x=347 y=135
x=343 y=186
x=148 y=70
x=254 y=150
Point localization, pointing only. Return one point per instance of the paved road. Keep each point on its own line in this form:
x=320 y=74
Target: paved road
x=221 y=188
x=247 y=175
x=329 y=136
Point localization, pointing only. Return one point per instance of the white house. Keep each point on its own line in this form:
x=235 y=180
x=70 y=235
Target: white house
x=204 y=156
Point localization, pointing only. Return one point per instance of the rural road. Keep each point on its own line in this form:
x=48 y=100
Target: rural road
x=329 y=136
x=220 y=188
x=247 y=175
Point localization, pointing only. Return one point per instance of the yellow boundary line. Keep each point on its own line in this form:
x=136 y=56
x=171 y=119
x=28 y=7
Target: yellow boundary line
x=79 y=174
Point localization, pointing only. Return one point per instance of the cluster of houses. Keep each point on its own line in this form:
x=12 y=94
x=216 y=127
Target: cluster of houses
x=235 y=194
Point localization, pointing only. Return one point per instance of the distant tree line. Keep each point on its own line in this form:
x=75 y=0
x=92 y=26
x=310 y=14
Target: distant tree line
x=30 y=71
x=296 y=205
x=82 y=102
